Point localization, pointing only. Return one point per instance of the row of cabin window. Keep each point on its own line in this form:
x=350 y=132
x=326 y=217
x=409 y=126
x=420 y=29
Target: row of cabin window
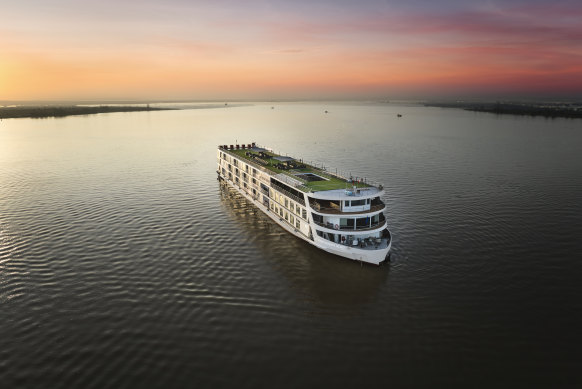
x=237 y=173
x=283 y=200
x=294 y=221
x=278 y=197
x=355 y=203
x=235 y=163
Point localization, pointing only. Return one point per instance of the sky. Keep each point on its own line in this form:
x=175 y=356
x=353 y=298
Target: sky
x=253 y=49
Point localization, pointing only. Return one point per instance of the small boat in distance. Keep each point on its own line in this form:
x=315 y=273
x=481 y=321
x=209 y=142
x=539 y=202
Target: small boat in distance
x=341 y=215
x=399 y=115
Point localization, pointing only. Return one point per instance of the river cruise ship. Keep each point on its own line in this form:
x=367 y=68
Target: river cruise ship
x=337 y=213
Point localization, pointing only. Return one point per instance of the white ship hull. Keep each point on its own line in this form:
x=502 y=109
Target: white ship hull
x=373 y=254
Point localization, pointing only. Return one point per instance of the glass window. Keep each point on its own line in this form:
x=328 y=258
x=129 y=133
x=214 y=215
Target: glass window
x=298 y=224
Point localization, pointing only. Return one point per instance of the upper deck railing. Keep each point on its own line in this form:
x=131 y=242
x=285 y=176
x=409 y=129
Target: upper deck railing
x=336 y=211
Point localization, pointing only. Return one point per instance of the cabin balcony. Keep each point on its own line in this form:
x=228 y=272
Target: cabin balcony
x=351 y=224
x=376 y=241
x=334 y=207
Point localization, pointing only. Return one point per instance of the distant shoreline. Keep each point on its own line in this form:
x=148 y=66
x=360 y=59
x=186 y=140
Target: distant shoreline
x=40 y=112
x=548 y=110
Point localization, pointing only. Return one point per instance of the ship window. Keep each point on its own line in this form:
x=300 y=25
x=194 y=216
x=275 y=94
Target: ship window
x=272 y=206
x=291 y=219
x=287 y=203
x=362 y=222
x=304 y=214
x=281 y=212
x=358 y=202
x=286 y=215
x=298 y=224
x=319 y=233
x=368 y=201
x=347 y=203
x=254 y=181
x=245 y=184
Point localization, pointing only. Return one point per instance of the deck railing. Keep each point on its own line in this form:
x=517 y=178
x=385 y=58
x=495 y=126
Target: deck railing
x=335 y=211
x=350 y=228
x=290 y=195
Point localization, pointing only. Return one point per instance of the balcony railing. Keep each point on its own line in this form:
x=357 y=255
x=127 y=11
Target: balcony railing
x=336 y=211
x=288 y=194
x=331 y=226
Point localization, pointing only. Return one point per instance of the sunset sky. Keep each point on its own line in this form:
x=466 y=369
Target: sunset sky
x=181 y=49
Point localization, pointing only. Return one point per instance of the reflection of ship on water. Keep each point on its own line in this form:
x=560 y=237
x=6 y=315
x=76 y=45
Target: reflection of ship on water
x=343 y=216
x=312 y=272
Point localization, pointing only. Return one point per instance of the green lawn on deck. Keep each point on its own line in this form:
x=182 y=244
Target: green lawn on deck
x=330 y=182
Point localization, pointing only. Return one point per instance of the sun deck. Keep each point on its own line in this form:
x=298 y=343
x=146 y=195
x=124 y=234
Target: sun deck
x=307 y=177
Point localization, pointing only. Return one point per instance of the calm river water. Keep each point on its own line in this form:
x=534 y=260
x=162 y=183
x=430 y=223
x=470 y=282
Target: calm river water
x=124 y=262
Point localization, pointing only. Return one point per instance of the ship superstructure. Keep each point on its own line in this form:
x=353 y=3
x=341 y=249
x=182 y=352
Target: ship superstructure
x=338 y=214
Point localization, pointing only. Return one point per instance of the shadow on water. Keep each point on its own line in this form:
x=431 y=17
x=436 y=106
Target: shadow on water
x=321 y=277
